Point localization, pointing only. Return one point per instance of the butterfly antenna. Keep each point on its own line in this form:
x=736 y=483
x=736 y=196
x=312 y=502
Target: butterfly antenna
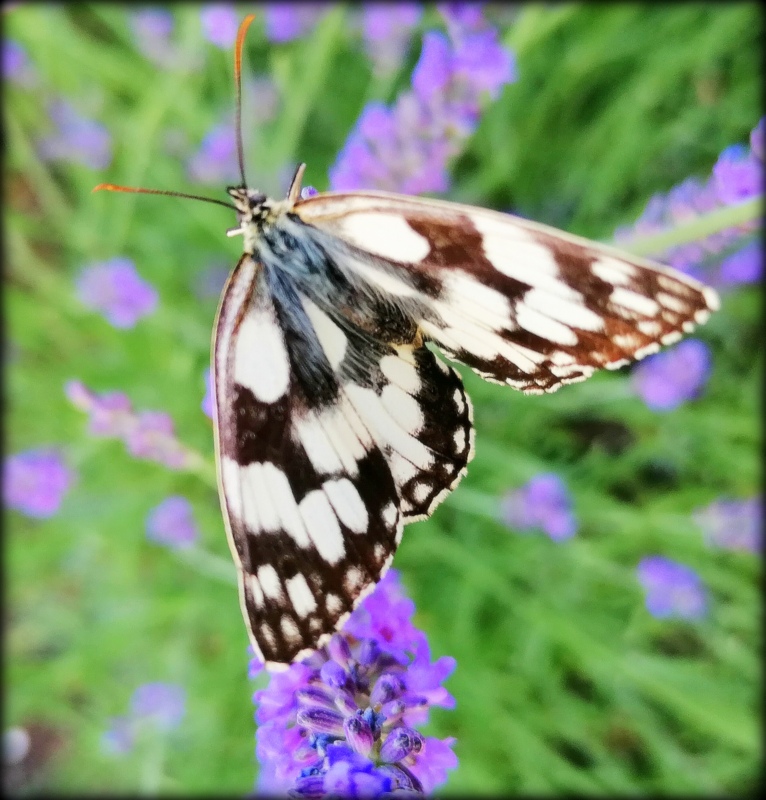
x=112 y=187
x=238 y=81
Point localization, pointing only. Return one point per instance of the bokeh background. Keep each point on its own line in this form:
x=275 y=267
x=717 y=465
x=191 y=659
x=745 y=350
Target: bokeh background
x=596 y=574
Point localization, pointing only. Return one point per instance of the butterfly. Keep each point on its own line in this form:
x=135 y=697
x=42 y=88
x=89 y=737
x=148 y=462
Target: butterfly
x=336 y=420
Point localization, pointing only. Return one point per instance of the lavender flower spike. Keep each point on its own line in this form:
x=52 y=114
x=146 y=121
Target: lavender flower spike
x=172 y=523
x=733 y=524
x=341 y=723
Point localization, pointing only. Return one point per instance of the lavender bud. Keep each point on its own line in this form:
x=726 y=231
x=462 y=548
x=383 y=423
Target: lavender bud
x=369 y=651
x=309 y=786
x=309 y=696
x=339 y=649
x=345 y=703
x=399 y=744
x=333 y=674
x=359 y=734
x=321 y=720
x=387 y=687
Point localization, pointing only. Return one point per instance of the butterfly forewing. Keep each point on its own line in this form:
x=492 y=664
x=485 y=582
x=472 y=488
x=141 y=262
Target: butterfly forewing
x=520 y=303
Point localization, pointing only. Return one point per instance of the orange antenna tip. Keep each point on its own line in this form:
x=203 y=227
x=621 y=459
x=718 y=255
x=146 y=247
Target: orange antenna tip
x=240 y=40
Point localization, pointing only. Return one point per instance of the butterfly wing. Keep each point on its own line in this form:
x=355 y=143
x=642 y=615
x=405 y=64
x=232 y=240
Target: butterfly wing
x=328 y=440
x=519 y=302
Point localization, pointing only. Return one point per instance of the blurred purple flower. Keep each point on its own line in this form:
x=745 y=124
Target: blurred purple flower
x=543 y=503
x=153 y=437
x=119 y=738
x=171 y=523
x=162 y=704
x=156 y=705
x=406 y=148
x=671 y=589
x=77 y=139
x=148 y=434
x=152 y=29
x=288 y=21
x=340 y=722
x=115 y=288
x=666 y=380
x=387 y=30
x=743 y=266
x=16 y=65
x=733 y=524
x=35 y=482
x=207 y=400
x=216 y=160
x=738 y=175
x=219 y=24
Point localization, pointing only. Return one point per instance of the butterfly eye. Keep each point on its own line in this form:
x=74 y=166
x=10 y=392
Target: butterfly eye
x=256 y=200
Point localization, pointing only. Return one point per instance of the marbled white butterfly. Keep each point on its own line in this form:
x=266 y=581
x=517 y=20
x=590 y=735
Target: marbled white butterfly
x=336 y=425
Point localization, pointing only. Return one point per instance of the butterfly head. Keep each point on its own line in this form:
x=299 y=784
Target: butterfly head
x=254 y=211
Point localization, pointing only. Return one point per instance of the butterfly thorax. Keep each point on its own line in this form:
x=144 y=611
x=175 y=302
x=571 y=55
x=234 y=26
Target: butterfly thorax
x=255 y=211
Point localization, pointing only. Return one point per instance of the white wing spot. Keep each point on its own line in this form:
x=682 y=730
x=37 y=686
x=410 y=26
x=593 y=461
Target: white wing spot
x=647 y=350
x=634 y=302
x=672 y=337
x=571 y=313
x=460 y=439
x=330 y=336
x=353 y=580
x=404 y=408
x=268 y=635
x=290 y=629
x=333 y=604
x=347 y=503
x=459 y=401
x=530 y=320
x=300 y=595
x=672 y=302
x=261 y=363
x=421 y=492
x=269 y=580
x=386 y=234
x=614 y=271
x=400 y=373
x=255 y=590
x=321 y=451
x=389 y=515
x=322 y=526
x=649 y=327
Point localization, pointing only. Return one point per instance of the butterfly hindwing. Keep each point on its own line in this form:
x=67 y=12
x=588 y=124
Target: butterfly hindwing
x=329 y=440
x=519 y=302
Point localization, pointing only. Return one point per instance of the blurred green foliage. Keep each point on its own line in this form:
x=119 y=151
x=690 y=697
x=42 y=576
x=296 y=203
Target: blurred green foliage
x=564 y=681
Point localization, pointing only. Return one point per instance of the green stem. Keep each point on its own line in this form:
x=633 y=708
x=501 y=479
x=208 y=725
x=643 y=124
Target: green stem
x=705 y=225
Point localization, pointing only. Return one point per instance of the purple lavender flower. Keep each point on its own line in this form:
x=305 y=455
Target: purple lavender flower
x=148 y=434
x=35 y=482
x=162 y=704
x=542 y=503
x=116 y=289
x=152 y=29
x=666 y=380
x=406 y=148
x=671 y=589
x=341 y=722
x=172 y=523
x=216 y=160
x=733 y=524
x=743 y=266
x=738 y=175
x=387 y=29
x=77 y=138
x=288 y=21
x=207 y=400
x=16 y=65
x=219 y=24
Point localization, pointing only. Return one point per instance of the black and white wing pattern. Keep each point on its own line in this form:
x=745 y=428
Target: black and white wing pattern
x=329 y=439
x=519 y=302
x=336 y=424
